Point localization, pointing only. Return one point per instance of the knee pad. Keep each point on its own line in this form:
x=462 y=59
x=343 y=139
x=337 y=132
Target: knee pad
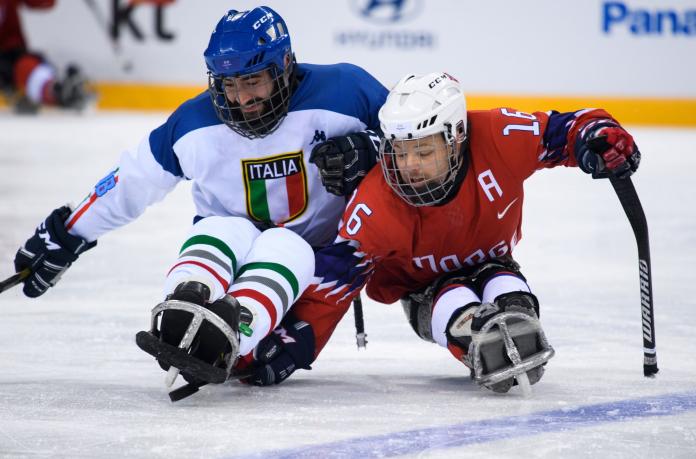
x=490 y=269
x=418 y=306
x=518 y=301
x=418 y=309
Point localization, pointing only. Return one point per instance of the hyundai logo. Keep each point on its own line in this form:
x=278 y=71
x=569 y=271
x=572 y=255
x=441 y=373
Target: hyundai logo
x=387 y=11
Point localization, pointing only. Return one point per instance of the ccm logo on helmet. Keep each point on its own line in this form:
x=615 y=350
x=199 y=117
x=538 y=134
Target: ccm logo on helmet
x=439 y=79
x=258 y=23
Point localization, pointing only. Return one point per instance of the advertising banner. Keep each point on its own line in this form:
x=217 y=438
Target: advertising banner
x=553 y=50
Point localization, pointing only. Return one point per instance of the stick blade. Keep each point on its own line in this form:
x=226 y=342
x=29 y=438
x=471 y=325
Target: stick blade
x=178 y=358
x=184 y=391
x=650 y=371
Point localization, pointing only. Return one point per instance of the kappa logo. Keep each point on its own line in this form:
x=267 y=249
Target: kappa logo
x=387 y=11
x=319 y=136
x=276 y=187
x=502 y=214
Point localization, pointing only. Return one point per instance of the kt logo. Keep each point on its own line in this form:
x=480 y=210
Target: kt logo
x=387 y=11
x=121 y=16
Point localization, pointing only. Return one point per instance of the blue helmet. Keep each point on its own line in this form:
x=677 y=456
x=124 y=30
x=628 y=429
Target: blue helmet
x=247 y=41
x=248 y=44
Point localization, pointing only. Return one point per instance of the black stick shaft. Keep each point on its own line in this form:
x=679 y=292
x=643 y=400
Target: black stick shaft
x=14 y=280
x=634 y=211
x=360 y=335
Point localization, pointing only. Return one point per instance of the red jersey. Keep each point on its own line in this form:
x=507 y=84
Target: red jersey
x=11 y=36
x=412 y=246
x=398 y=248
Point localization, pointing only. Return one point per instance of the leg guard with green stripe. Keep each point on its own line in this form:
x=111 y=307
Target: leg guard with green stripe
x=211 y=253
x=275 y=272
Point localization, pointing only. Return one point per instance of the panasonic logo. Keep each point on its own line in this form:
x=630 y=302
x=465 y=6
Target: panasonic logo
x=640 y=21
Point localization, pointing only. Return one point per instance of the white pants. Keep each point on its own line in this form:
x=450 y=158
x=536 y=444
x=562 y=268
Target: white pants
x=459 y=296
x=265 y=271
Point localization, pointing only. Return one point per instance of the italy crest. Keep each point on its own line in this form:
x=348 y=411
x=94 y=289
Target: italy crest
x=276 y=187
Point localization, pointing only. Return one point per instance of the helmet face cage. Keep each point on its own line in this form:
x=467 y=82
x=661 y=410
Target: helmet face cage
x=431 y=175
x=273 y=109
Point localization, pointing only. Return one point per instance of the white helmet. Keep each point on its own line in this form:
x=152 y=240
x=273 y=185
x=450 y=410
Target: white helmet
x=419 y=111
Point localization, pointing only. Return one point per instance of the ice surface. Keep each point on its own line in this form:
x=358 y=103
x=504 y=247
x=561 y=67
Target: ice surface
x=73 y=383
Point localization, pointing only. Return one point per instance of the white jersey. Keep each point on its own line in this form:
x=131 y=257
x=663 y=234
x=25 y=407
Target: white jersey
x=269 y=181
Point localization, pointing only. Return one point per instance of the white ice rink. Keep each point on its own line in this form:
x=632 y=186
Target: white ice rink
x=73 y=383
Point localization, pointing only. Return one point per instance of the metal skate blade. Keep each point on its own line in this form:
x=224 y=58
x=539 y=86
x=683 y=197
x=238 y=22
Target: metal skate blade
x=171 y=376
x=523 y=325
x=525 y=386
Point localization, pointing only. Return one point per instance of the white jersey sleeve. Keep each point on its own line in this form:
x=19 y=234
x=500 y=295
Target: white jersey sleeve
x=137 y=181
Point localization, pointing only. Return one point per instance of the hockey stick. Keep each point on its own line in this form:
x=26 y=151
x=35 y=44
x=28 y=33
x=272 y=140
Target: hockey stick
x=360 y=336
x=14 y=280
x=628 y=197
x=123 y=62
x=189 y=389
x=186 y=390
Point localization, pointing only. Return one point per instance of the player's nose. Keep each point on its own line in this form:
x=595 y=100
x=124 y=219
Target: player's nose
x=412 y=164
x=244 y=96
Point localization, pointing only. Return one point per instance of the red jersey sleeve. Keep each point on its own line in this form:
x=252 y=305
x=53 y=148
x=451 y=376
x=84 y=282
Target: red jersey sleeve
x=528 y=142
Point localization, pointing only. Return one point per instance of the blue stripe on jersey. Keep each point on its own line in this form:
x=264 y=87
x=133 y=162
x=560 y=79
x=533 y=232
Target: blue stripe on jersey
x=556 y=136
x=193 y=114
x=341 y=88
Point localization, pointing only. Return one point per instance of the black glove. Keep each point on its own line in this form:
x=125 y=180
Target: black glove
x=605 y=148
x=278 y=355
x=49 y=252
x=343 y=161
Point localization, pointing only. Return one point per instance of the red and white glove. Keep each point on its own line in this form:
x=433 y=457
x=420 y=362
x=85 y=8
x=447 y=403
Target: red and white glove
x=605 y=148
